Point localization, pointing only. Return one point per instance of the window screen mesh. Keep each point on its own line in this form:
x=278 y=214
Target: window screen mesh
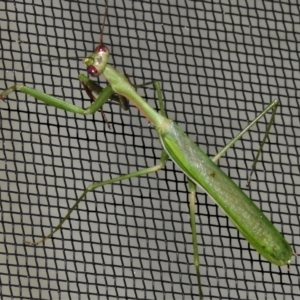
x=219 y=65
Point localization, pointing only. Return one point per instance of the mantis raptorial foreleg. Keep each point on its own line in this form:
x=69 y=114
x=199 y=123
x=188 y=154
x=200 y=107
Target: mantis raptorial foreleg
x=106 y=94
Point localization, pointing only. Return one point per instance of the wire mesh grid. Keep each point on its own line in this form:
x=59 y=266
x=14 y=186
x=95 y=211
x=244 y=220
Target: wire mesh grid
x=219 y=65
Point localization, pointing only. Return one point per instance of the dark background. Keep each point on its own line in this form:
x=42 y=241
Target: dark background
x=219 y=66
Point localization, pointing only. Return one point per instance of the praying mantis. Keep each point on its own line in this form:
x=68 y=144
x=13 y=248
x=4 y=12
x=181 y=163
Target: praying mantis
x=199 y=169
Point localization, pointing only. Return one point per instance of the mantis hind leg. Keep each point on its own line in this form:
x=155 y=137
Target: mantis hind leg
x=271 y=107
x=192 y=198
x=94 y=186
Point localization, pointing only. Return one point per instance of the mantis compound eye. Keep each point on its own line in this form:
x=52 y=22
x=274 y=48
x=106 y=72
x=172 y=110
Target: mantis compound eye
x=101 y=49
x=93 y=71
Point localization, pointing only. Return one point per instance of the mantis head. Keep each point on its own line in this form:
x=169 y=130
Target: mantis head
x=97 y=61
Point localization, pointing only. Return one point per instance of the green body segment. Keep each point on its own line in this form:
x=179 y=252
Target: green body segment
x=241 y=210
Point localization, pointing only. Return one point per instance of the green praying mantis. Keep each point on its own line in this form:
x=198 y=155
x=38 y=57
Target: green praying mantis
x=199 y=169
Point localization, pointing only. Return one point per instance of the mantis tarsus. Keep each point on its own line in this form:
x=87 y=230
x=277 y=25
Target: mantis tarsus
x=200 y=170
